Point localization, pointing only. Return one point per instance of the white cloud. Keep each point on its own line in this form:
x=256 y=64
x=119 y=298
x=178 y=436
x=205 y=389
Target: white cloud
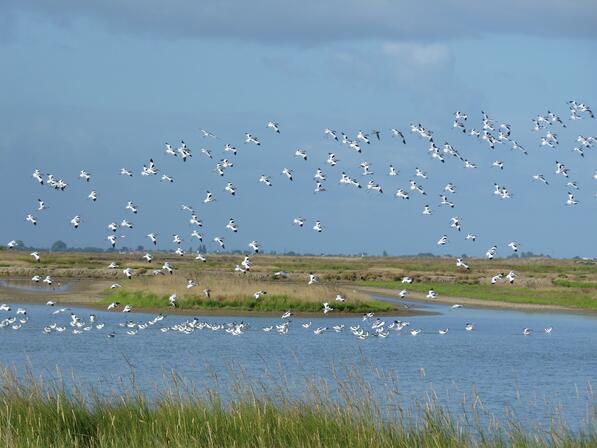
x=420 y=55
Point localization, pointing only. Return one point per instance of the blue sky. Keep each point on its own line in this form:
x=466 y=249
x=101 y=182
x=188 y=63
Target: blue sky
x=102 y=85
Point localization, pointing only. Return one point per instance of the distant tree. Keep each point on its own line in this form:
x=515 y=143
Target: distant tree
x=384 y=254
x=59 y=246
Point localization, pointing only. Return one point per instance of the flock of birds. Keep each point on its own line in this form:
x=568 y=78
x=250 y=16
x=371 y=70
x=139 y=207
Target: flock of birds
x=491 y=133
x=77 y=324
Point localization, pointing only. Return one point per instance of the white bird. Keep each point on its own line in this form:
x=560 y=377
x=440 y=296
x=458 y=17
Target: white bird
x=331 y=160
x=30 y=218
x=461 y=264
x=469 y=326
x=274 y=126
x=443 y=241
x=318 y=227
x=76 y=221
x=540 y=178
x=35 y=255
x=251 y=139
x=208 y=198
x=288 y=173
x=255 y=246
x=327 y=308
x=206 y=133
x=230 y=148
x=514 y=246
x=153 y=238
x=266 y=180
x=259 y=294
x=511 y=277
x=232 y=226
x=571 y=200
x=313 y=279
x=220 y=241
x=230 y=189
x=431 y=294
x=301 y=153
x=128 y=272
x=527 y=332
x=127 y=308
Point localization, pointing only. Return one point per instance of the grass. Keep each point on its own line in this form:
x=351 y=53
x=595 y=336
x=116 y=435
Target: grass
x=33 y=414
x=268 y=303
x=568 y=295
x=236 y=292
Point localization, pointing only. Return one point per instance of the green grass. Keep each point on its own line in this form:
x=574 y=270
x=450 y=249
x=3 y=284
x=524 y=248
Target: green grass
x=268 y=303
x=563 y=296
x=36 y=415
x=574 y=284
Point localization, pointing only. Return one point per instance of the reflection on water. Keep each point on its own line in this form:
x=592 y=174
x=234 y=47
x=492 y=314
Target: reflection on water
x=29 y=286
x=529 y=374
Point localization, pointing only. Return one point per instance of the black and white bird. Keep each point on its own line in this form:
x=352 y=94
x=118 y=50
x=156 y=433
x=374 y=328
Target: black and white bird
x=252 y=139
x=274 y=126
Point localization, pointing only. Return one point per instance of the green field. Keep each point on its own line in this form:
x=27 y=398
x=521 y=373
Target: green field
x=571 y=296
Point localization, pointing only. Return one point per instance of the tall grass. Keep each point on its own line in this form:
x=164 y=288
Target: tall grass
x=269 y=303
x=234 y=292
x=33 y=414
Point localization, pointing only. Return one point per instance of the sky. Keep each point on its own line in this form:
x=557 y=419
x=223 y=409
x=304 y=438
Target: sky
x=104 y=85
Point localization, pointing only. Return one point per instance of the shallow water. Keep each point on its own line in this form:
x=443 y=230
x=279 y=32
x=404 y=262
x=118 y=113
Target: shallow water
x=29 y=286
x=532 y=375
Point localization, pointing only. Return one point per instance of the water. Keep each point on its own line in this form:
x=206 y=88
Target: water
x=29 y=286
x=534 y=375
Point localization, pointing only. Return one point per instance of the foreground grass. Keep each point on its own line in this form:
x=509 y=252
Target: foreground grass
x=570 y=295
x=268 y=303
x=36 y=415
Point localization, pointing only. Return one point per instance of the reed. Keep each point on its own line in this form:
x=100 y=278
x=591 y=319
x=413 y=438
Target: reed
x=34 y=414
x=234 y=292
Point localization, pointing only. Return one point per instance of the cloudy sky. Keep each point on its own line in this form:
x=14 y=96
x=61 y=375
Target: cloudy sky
x=103 y=85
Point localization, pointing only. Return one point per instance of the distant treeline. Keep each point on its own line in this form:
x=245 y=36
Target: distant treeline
x=61 y=246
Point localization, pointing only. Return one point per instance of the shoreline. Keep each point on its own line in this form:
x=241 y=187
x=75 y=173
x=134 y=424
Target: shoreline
x=86 y=293
x=475 y=303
